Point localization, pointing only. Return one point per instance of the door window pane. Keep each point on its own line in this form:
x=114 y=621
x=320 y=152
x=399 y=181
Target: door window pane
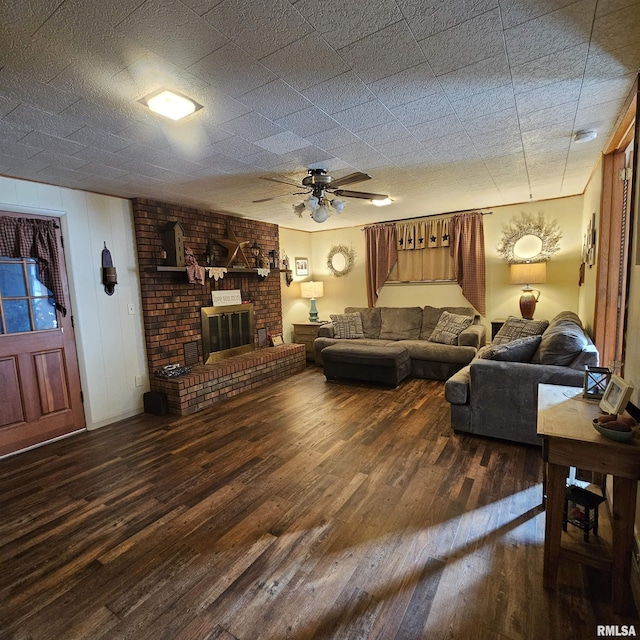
x=44 y=313
x=12 y=282
x=37 y=288
x=16 y=313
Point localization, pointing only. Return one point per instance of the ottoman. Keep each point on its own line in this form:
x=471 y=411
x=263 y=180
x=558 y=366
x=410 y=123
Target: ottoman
x=386 y=364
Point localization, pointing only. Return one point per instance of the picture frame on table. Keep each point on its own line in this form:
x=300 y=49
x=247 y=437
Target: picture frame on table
x=276 y=339
x=616 y=396
x=302 y=266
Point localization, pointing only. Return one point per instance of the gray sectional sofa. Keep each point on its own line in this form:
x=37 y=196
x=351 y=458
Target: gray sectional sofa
x=412 y=328
x=496 y=395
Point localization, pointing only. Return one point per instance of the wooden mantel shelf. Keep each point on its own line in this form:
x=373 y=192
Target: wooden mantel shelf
x=229 y=269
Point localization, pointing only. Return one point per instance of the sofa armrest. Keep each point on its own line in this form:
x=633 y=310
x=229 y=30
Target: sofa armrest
x=473 y=336
x=326 y=330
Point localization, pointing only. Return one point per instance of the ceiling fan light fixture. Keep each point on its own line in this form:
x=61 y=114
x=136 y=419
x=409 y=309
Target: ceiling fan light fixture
x=313 y=203
x=382 y=203
x=338 y=205
x=171 y=104
x=298 y=209
x=321 y=214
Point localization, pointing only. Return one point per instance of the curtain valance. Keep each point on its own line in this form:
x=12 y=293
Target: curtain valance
x=423 y=234
x=34 y=238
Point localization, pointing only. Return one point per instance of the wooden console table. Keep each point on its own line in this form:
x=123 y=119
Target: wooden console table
x=564 y=421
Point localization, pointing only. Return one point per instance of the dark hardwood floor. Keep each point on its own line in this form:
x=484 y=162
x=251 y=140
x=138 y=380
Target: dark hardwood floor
x=299 y=510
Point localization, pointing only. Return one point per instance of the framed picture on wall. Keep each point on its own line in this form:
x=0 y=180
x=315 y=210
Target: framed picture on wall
x=302 y=267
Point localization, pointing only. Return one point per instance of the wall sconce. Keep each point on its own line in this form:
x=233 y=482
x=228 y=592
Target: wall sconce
x=312 y=290
x=528 y=273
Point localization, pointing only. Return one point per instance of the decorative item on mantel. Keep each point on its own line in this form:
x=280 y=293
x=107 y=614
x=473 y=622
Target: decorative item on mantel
x=235 y=247
x=173 y=244
x=195 y=273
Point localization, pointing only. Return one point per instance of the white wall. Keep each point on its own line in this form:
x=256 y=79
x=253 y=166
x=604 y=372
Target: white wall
x=110 y=341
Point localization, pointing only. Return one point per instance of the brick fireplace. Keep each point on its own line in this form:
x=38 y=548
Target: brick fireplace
x=171 y=306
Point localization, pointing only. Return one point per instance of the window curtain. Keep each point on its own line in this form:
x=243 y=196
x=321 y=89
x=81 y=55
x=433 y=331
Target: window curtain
x=32 y=238
x=467 y=250
x=380 y=242
x=423 y=253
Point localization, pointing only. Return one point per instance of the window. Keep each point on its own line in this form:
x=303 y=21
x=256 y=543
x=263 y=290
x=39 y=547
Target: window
x=25 y=303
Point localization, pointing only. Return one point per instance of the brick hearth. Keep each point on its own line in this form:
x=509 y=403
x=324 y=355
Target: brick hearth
x=171 y=306
x=210 y=383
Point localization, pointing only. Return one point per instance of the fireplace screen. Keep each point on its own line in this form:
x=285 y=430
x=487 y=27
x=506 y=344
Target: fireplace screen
x=226 y=331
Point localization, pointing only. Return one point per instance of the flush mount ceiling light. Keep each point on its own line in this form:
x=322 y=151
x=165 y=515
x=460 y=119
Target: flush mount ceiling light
x=170 y=104
x=382 y=203
x=585 y=135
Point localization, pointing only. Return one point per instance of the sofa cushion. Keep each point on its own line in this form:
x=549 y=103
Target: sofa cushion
x=561 y=343
x=371 y=320
x=437 y=352
x=515 y=328
x=431 y=316
x=518 y=350
x=456 y=388
x=401 y=323
x=347 y=325
x=449 y=327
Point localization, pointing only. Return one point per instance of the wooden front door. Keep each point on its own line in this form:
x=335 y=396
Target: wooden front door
x=40 y=395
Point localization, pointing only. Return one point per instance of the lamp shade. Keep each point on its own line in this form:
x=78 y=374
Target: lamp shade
x=529 y=273
x=311 y=289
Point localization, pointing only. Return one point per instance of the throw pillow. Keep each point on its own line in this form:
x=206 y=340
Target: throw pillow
x=519 y=350
x=371 y=320
x=515 y=328
x=431 y=315
x=449 y=327
x=347 y=325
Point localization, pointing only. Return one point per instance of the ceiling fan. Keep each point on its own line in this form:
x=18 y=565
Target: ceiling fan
x=320 y=187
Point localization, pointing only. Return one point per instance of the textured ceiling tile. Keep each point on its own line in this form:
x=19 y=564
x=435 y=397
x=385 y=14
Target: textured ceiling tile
x=605 y=65
x=231 y=70
x=223 y=164
x=61 y=160
x=275 y=100
x=406 y=86
x=567 y=64
x=364 y=116
x=19 y=88
x=436 y=128
x=148 y=135
x=201 y=6
x=354 y=150
x=400 y=147
x=478 y=38
x=414 y=157
x=498 y=121
x=235 y=147
x=218 y=106
x=452 y=148
x=110 y=12
x=387 y=132
x=99 y=139
x=478 y=77
x=341 y=23
x=28 y=16
x=306 y=62
x=259 y=27
x=429 y=18
x=19 y=150
x=7 y=105
x=97 y=115
x=306 y=157
x=485 y=103
x=607 y=90
x=550 y=95
x=103 y=171
x=264 y=160
x=339 y=93
x=432 y=107
x=307 y=122
x=171 y=30
x=42 y=121
x=562 y=114
x=550 y=33
x=401 y=52
x=597 y=115
x=282 y=143
x=616 y=29
x=539 y=140
x=142 y=153
x=104 y=157
x=252 y=126
x=515 y=12
x=333 y=138
x=44 y=141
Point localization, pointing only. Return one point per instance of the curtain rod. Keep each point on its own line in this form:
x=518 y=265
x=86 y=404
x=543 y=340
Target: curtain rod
x=430 y=215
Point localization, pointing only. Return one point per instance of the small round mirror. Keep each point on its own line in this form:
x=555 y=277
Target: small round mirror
x=339 y=262
x=527 y=247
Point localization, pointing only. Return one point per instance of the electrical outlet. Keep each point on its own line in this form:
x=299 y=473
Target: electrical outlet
x=138 y=381
x=131 y=309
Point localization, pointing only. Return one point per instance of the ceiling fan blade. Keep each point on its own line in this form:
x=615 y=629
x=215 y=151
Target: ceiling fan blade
x=262 y=200
x=352 y=178
x=345 y=193
x=274 y=179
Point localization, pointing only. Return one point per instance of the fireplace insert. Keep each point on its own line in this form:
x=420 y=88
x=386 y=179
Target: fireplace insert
x=227 y=331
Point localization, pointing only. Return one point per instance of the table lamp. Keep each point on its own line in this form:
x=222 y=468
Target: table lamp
x=312 y=290
x=528 y=273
